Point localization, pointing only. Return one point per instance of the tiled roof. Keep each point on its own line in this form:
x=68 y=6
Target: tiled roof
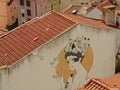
x=113 y=81
x=26 y=38
x=94 y=84
x=105 y=84
x=70 y=8
x=89 y=9
x=86 y=21
x=102 y=5
x=3 y=31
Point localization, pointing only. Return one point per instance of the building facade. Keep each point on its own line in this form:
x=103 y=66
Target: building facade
x=8 y=12
x=28 y=9
x=57 y=54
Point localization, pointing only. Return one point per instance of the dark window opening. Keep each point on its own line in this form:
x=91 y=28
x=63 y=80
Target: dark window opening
x=23 y=15
x=29 y=12
x=21 y=2
x=28 y=3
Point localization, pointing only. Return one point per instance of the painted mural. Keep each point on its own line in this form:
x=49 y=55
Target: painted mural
x=73 y=63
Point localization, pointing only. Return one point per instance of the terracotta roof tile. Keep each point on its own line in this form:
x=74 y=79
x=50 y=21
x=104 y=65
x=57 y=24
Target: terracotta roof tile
x=105 y=84
x=26 y=38
x=86 y=21
x=89 y=9
x=102 y=5
x=113 y=81
x=70 y=8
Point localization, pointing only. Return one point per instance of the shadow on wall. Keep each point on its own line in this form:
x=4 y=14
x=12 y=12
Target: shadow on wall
x=117 y=69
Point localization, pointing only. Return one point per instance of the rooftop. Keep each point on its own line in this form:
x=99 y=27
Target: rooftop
x=86 y=21
x=105 y=84
x=23 y=40
x=102 y=5
x=71 y=8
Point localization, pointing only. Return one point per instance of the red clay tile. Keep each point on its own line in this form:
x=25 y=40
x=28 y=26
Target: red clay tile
x=26 y=38
x=102 y=5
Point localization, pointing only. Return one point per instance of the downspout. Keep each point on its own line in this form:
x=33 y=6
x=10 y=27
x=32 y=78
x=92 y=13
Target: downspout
x=35 y=8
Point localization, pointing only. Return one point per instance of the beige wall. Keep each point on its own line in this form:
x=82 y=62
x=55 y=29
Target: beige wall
x=3 y=13
x=65 y=3
x=36 y=71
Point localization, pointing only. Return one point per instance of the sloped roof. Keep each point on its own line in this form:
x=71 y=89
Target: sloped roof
x=102 y=5
x=113 y=81
x=26 y=38
x=89 y=9
x=86 y=21
x=71 y=7
x=105 y=84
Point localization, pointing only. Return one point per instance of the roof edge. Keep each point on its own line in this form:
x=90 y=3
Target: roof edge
x=43 y=45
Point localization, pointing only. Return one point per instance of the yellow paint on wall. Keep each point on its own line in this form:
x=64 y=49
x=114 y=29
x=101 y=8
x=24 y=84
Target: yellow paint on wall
x=66 y=72
x=88 y=59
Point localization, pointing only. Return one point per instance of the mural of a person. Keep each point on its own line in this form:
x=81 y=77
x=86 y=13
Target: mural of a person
x=72 y=72
x=74 y=58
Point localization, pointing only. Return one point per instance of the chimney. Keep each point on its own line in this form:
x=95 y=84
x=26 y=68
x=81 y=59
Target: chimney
x=109 y=15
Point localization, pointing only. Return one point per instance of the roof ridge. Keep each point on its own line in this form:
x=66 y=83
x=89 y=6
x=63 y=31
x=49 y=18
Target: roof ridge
x=100 y=82
x=65 y=16
x=24 y=38
x=103 y=3
x=66 y=8
x=26 y=23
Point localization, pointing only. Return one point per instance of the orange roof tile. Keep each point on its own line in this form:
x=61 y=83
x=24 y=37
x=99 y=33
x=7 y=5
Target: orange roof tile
x=113 y=81
x=102 y=5
x=86 y=21
x=70 y=8
x=105 y=84
x=89 y=9
x=26 y=38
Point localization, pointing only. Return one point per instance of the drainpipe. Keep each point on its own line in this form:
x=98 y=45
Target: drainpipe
x=35 y=8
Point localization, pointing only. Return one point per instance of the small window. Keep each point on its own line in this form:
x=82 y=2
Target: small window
x=28 y=3
x=23 y=15
x=45 y=7
x=12 y=18
x=28 y=12
x=11 y=9
x=59 y=2
x=21 y=2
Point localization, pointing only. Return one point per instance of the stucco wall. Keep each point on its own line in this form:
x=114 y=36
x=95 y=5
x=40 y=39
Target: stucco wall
x=3 y=13
x=65 y=3
x=39 y=72
x=95 y=13
x=23 y=9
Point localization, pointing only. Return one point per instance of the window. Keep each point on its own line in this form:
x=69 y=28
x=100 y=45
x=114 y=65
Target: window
x=28 y=3
x=23 y=12
x=28 y=12
x=21 y=2
x=59 y=2
x=12 y=18
x=45 y=7
x=23 y=15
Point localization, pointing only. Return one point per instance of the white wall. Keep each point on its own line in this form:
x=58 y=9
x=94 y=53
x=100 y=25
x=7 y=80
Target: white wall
x=95 y=14
x=33 y=73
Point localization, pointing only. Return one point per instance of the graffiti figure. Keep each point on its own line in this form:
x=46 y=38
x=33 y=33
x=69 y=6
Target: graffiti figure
x=73 y=55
